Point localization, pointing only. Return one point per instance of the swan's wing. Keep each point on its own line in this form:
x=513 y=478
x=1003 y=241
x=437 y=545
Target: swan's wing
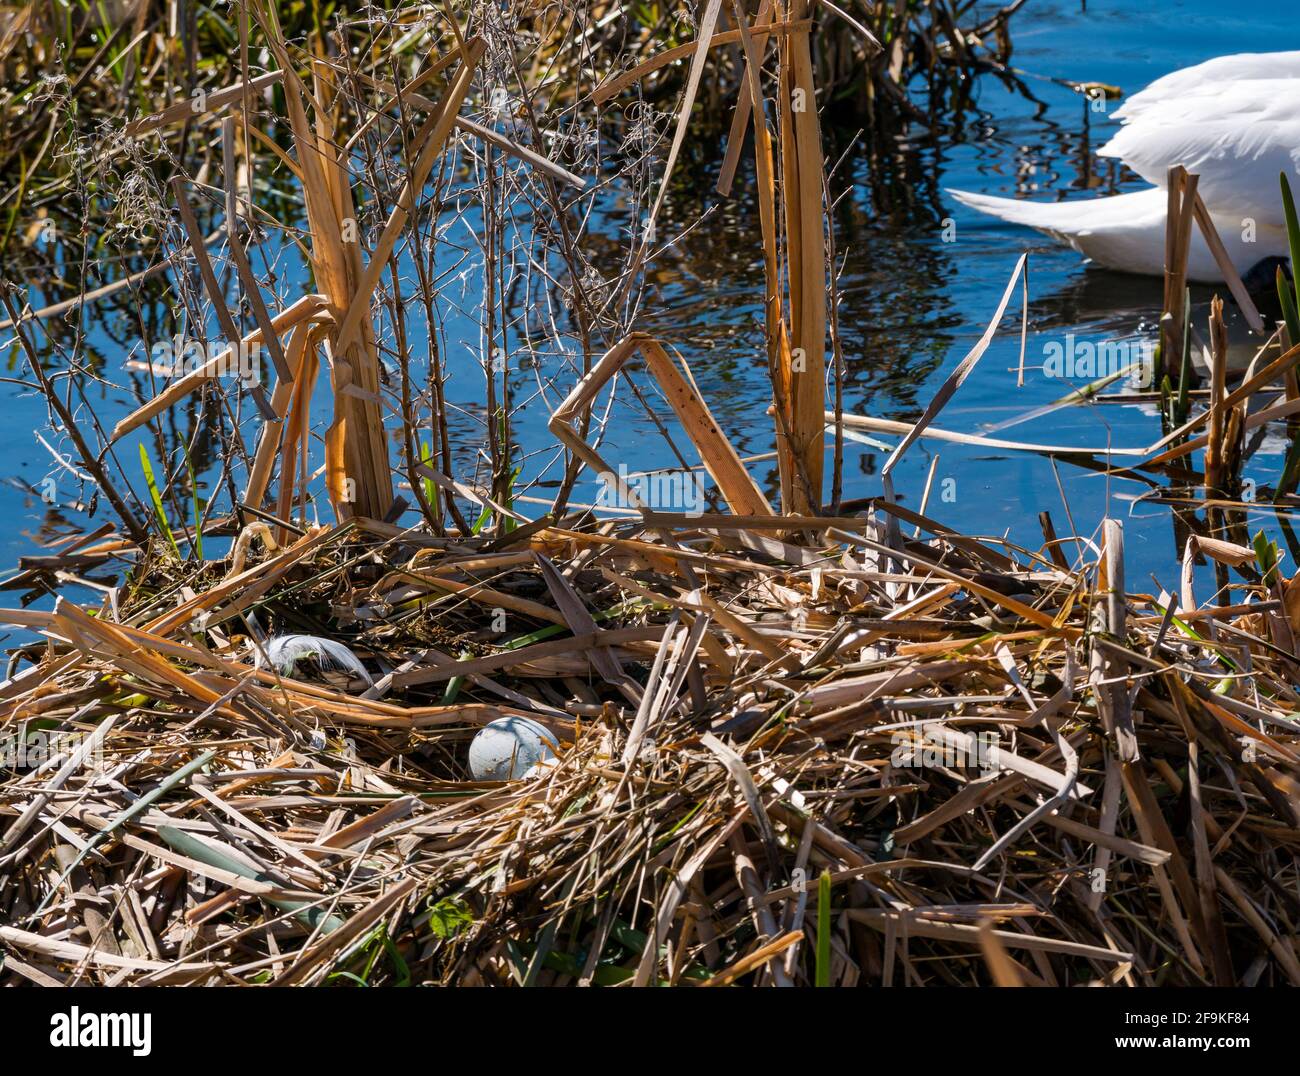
x=1237 y=139
x=1210 y=76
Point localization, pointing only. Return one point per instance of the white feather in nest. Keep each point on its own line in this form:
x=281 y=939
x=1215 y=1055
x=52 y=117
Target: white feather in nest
x=310 y=657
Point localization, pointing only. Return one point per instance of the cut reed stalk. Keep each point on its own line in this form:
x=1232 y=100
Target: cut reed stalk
x=1178 y=241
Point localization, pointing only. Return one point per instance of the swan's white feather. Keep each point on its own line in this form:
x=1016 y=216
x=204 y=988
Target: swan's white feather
x=1236 y=140
x=285 y=652
x=1126 y=231
x=1211 y=75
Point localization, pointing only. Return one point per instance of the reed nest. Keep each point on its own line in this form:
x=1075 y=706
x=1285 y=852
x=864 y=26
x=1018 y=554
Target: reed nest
x=854 y=750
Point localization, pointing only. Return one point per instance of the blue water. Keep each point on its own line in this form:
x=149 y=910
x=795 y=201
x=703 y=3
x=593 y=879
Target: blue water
x=912 y=304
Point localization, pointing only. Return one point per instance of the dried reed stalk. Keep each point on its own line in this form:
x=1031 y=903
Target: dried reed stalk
x=799 y=394
x=1181 y=188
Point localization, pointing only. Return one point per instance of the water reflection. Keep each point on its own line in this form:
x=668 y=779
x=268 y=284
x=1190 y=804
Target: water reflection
x=910 y=302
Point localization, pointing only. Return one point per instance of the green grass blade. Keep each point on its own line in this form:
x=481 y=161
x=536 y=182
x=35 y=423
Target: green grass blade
x=1293 y=239
x=157 y=501
x=430 y=490
x=1289 y=314
x=310 y=915
x=137 y=807
x=452 y=691
x=822 y=970
x=1287 y=482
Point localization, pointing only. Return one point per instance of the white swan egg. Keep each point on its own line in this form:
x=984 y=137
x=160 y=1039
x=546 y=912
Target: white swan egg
x=507 y=748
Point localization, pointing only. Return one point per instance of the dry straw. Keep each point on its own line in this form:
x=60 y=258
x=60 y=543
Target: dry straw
x=832 y=746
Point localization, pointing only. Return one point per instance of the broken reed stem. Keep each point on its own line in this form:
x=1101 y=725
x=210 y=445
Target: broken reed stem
x=752 y=100
x=801 y=389
x=1214 y=448
x=717 y=453
x=1107 y=621
x=1178 y=241
x=268 y=445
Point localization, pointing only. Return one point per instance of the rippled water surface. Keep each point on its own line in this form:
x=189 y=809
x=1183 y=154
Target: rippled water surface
x=912 y=304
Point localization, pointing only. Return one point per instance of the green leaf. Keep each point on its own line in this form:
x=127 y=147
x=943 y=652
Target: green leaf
x=484 y=517
x=449 y=916
x=390 y=948
x=1287 y=482
x=346 y=975
x=1268 y=554
x=136 y=808
x=455 y=683
x=309 y=914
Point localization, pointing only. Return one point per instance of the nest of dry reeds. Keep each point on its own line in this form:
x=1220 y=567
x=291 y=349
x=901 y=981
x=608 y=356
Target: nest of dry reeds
x=808 y=750
x=792 y=749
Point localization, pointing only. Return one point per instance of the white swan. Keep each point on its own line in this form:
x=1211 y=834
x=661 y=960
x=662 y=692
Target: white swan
x=1235 y=121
